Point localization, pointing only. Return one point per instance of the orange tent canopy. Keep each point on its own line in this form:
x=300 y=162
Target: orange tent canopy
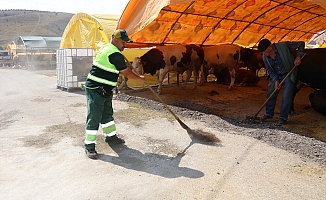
x=211 y=22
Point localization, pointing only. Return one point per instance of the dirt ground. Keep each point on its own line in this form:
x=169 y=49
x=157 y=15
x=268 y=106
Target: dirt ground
x=241 y=103
x=43 y=131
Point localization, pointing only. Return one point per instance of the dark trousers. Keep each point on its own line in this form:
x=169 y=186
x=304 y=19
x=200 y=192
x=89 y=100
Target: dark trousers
x=99 y=111
x=288 y=87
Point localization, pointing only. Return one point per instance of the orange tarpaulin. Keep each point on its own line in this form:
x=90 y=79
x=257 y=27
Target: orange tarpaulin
x=211 y=22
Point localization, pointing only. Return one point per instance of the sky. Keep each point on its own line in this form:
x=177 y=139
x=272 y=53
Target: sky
x=68 y=6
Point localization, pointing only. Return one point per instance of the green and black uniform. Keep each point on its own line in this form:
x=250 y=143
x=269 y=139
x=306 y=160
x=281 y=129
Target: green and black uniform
x=105 y=70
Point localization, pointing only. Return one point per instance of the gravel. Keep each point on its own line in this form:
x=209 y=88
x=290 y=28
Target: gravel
x=309 y=149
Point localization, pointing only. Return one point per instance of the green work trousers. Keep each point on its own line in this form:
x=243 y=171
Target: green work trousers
x=99 y=111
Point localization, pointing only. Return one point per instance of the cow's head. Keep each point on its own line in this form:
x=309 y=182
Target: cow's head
x=137 y=66
x=150 y=62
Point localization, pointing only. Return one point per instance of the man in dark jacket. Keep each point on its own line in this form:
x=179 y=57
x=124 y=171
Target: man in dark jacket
x=279 y=61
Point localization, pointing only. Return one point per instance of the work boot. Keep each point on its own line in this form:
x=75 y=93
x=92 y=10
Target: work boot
x=280 y=122
x=114 y=140
x=90 y=151
x=265 y=117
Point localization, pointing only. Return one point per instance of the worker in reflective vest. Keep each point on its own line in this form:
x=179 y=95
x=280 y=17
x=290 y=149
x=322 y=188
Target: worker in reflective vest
x=99 y=85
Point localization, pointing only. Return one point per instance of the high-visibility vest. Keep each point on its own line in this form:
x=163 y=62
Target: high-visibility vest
x=102 y=62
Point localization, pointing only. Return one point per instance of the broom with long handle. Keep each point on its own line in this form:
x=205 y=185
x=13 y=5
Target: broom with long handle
x=194 y=134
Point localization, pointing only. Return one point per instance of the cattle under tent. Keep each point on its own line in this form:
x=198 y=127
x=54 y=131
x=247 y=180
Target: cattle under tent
x=155 y=23
x=212 y=22
x=152 y=23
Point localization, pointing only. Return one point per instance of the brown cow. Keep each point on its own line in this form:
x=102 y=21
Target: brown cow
x=243 y=77
x=161 y=60
x=220 y=57
x=252 y=59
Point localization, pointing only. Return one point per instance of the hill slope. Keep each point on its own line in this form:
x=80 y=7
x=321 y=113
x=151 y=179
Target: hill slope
x=15 y=23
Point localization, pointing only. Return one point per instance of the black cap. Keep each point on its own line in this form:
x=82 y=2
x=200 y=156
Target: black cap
x=263 y=44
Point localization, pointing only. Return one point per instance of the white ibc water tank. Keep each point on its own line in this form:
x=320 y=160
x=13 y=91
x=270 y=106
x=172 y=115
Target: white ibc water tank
x=73 y=65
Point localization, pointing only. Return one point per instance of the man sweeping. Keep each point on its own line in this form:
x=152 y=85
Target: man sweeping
x=101 y=80
x=279 y=62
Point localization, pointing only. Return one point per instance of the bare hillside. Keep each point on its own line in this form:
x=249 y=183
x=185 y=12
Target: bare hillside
x=15 y=23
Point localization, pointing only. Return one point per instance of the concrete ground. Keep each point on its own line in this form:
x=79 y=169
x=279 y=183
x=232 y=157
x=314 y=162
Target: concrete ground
x=42 y=155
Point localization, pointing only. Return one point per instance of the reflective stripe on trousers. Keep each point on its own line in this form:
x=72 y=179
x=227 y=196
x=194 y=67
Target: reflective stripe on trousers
x=109 y=129
x=99 y=111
